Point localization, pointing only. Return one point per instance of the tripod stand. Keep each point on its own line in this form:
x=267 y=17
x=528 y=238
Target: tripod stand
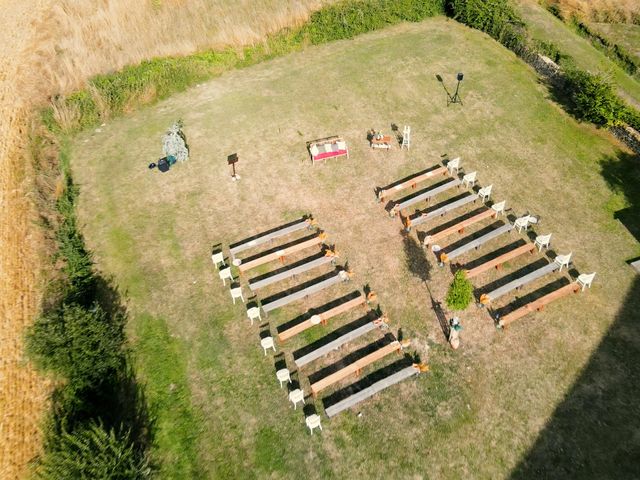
x=456 y=98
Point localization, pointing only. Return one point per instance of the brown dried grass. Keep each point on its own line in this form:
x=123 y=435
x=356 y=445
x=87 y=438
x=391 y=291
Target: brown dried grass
x=54 y=47
x=609 y=11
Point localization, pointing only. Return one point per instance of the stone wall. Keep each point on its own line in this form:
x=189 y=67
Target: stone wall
x=629 y=136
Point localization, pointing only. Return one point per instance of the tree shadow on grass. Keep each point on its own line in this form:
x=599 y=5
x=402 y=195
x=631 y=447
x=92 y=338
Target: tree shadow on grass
x=622 y=173
x=593 y=432
x=415 y=257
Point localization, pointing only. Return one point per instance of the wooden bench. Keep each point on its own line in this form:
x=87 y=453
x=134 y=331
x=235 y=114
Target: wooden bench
x=323 y=317
x=519 y=282
x=475 y=243
x=538 y=304
x=371 y=390
x=421 y=217
x=355 y=367
x=459 y=227
x=280 y=254
x=411 y=182
x=325 y=148
x=340 y=276
x=329 y=257
x=425 y=195
x=338 y=342
x=498 y=261
x=305 y=222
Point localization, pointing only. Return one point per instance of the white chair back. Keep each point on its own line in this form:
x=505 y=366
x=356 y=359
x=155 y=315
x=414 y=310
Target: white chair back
x=225 y=274
x=543 y=241
x=236 y=293
x=454 y=165
x=217 y=258
x=266 y=343
x=499 y=207
x=469 y=179
x=563 y=260
x=485 y=192
x=254 y=313
x=313 y=421
x=586 y=279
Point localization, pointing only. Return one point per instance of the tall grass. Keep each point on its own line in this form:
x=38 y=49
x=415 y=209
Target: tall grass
x=607 y=11
x=112 y=94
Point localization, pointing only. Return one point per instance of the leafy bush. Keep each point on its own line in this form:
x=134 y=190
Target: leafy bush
x=460 y=292
x=93 y=452
x=82 y=345
x=593 y=98
x=350 y=18
x=497 y=18
x=548 y=49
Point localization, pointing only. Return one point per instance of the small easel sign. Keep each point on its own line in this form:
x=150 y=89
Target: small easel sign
x=232 y=160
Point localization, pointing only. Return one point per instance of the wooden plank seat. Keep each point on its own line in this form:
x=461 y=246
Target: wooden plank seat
x=421 y=217
x=305 y=222
x=424 y=195
x=371 y=390
x=263 y=281
x=338 y=342
x=475 y=243
x=339 y=276
x=316 y=319
x=325 y=148
x=411 y=182
x=280 y=253
x=498 y=261
x=538 y=304
x=459 y=227
x=355 y=367
x=519 y=282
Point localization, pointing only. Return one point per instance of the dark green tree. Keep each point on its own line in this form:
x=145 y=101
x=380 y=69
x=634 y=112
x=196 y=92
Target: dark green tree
x=92 y=452
x=84 y=345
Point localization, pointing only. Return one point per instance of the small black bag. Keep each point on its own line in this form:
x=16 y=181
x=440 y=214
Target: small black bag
x=163 y=165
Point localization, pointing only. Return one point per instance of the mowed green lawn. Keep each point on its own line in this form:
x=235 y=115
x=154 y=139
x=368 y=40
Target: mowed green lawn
x=219 y=410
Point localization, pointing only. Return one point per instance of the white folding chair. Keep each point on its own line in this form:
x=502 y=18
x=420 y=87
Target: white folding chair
x=563 y=260
x=296 y=396
x=524 y=222
x=485 y=192
x=225 y=274
x=453 y=165
x=217 y=258
x=542 y=241
x=469 y=179
x=266 y=343
x=236 y=293
x=283 y=375
x=585 y=279
x=499 y=207
x=313 y=421
x=406 y=137
x=253 y=314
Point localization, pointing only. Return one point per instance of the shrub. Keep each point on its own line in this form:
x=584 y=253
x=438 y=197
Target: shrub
x=92 y=452
x=593 y=98
x=497 y=18
x=460 y=292
x=82 y=345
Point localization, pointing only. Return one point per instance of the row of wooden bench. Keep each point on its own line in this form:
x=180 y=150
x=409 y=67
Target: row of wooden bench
x=485 y=213
x=316 y=316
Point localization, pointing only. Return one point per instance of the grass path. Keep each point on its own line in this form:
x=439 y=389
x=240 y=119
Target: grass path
x=544 y=26
x=220 y=412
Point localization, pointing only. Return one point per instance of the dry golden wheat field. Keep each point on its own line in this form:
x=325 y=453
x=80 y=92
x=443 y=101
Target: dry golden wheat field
x=52 y=48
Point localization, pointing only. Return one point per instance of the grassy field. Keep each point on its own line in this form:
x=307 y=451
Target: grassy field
x=544 y=26
x=625 y=35
x=218 y=407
